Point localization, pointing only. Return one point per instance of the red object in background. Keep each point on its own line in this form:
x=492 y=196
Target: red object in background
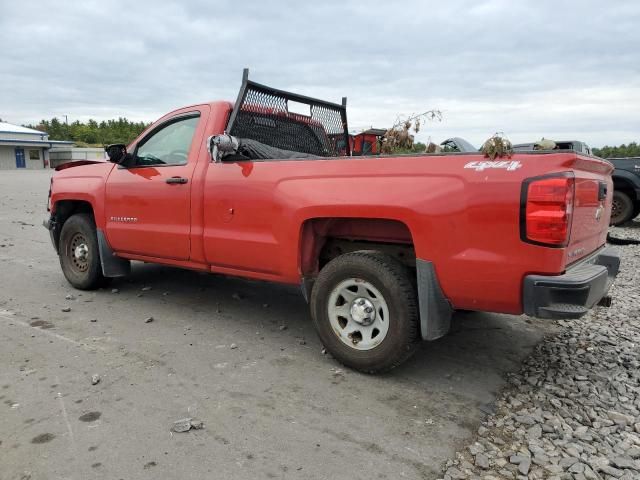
x=367 y=142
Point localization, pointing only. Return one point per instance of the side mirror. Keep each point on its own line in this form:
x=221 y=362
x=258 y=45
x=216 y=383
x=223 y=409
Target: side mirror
x=117 y=153
x=221 y=146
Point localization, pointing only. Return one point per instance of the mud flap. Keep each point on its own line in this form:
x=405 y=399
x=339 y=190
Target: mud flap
x=306 y=286
x=435 y=310
x=112 y=266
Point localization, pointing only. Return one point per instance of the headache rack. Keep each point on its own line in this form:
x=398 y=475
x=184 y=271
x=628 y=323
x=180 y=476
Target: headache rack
x=263 y=114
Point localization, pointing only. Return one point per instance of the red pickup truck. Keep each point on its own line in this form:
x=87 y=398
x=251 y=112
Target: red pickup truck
x=384 y=248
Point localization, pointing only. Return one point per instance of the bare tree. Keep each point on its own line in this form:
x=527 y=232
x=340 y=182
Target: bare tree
x=400 y=137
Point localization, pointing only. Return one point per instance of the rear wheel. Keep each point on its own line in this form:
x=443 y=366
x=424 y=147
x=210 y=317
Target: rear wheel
x=79 y=255
x=622 y=208
x=365 y=309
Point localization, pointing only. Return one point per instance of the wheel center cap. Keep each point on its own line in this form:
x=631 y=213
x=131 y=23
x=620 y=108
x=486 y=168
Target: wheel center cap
x=362 y=311
x=81 y=252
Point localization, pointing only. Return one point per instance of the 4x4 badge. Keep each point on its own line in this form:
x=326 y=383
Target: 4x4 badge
x=483 y=165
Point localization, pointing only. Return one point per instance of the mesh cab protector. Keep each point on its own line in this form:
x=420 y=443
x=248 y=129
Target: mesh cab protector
x=256 y=150
x=262 y=114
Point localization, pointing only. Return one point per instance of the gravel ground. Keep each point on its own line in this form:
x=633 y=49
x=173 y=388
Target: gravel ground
x=630 y=231
x=573 y=410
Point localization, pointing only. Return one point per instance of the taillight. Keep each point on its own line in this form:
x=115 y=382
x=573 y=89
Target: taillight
x=546 y=210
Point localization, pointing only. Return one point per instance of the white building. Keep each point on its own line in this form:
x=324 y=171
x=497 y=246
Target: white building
x=22 y=147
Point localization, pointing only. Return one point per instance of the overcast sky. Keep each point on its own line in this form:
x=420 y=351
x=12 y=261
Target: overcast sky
x=562 y=70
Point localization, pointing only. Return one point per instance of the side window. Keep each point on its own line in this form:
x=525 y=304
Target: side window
x=169 y=145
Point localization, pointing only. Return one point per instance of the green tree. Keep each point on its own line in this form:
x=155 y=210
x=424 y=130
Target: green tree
x=631 y=150
x=92 y=132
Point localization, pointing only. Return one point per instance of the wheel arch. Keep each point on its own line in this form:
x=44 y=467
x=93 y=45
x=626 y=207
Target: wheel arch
x=112 y=266
x=624 y=182
x=316 y=233
x=62 y=210
x=324 y=238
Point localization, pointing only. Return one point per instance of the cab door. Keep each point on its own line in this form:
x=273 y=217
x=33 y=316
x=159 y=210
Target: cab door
x=148 y=203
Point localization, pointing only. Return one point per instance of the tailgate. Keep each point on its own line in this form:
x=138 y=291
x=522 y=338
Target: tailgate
x=591 y=207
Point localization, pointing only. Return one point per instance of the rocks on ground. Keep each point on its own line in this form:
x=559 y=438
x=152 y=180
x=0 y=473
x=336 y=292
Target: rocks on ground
x=573 y=411
x=186 y=424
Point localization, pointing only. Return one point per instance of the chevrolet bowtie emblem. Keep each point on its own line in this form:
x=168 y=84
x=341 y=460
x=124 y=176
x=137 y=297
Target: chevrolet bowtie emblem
x=599 y=211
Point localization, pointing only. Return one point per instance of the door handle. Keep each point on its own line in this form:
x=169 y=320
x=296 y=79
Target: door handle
x=176 y=180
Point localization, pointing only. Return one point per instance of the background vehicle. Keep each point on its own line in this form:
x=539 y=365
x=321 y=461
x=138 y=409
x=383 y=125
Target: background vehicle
x=457 y=144
x=575 y=145
x=384 y=248
x=626 y=193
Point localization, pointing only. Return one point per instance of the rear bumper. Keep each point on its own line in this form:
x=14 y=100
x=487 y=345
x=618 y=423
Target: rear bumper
x=571 y=295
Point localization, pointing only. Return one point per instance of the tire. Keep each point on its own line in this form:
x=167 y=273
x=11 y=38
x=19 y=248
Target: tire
x=622 y=208
x=79 y=254
x=358 y=293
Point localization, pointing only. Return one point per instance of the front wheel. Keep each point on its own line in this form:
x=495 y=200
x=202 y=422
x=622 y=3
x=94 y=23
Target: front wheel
x=365 y=309
x=79 y=255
